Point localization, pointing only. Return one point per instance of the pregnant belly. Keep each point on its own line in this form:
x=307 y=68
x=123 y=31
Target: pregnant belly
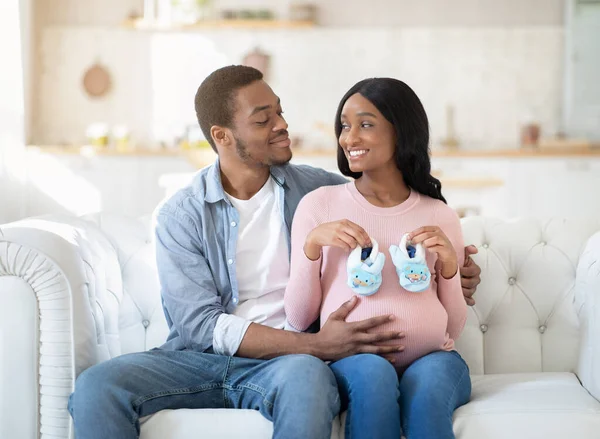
x=421 y=318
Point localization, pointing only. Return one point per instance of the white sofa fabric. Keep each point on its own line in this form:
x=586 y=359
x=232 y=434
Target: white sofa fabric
x=77 y=291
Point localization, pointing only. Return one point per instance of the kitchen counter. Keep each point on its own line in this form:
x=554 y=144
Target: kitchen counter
x=89 y=150
x=518 y=153
x=205 y=156
x=505 y=183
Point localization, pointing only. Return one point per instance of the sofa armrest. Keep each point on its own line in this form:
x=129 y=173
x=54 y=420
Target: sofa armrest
x=587 y=302
x=53 y=276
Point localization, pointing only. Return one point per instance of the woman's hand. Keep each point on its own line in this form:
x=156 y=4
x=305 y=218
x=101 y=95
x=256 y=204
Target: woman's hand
x=435 y=241
x=343 y=234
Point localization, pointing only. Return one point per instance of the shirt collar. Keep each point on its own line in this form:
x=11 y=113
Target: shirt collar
x=214 y=185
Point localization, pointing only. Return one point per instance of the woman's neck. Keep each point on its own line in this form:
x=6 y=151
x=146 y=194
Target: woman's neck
x=384 y=187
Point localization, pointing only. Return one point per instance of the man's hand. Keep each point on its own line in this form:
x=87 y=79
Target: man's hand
x=338 y=339
x=469 y=275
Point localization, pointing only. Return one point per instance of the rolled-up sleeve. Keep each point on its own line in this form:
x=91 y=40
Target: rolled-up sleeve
x=191 y=301
x=229 y=333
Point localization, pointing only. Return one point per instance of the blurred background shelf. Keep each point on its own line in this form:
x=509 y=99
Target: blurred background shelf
x=249 y=24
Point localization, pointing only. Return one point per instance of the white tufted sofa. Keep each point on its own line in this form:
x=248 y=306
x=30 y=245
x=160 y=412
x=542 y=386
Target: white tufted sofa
x=75 y=292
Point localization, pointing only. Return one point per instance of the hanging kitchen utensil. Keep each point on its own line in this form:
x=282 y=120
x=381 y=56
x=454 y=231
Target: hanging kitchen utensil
x=259 y=60
x=96 y=81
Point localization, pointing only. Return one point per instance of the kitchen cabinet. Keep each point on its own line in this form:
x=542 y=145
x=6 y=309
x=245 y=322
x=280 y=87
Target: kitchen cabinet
x=569 y=187
x=502 y=184
x=532 y=187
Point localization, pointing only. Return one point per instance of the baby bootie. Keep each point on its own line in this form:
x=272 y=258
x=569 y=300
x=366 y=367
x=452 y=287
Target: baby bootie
x=364 y=269
x=411 y=265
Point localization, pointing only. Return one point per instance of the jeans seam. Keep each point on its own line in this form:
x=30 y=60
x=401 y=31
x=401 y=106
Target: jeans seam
x=181 y=391
x=225 y=386
x=260 y=390
x=462 y=377
x=138 y=402
x=249 y=386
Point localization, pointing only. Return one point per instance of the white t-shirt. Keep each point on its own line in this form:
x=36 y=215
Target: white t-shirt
x=262 y=269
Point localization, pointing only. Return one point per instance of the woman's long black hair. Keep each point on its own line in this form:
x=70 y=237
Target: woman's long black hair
x=402 y=108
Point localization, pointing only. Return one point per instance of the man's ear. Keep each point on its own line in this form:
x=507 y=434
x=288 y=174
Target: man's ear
x=221 y=136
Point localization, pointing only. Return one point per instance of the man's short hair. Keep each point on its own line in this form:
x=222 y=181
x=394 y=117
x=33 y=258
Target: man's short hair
x=215 y=98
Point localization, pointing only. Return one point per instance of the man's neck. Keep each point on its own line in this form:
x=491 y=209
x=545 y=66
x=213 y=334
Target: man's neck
x=242 y=181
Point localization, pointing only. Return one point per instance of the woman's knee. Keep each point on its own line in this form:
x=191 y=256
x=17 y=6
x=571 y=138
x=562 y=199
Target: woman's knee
x=438 y=377
x=368 y=372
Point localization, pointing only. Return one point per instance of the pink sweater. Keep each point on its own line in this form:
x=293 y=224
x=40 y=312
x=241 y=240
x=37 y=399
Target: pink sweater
x=431 y=319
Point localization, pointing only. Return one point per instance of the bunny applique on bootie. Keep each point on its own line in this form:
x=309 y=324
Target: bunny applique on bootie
x=411 y=265
x=364 y=269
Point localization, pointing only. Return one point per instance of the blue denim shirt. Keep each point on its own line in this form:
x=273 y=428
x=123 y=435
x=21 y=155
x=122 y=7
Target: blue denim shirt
x=196 y=238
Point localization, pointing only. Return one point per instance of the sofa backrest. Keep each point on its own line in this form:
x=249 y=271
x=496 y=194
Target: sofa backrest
x=524 y=320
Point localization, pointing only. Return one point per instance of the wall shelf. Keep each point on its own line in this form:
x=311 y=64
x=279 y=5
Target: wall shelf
x=142 y=25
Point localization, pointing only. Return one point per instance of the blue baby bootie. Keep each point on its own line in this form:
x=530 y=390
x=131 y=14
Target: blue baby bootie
x=411 y=265
x=364 y=269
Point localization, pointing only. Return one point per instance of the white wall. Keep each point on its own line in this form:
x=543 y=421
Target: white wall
x=496 y=62
x=582 y=88
x=494 y=77
x=12 y=108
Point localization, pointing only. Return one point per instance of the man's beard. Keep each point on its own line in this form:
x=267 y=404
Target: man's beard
x=242 y=152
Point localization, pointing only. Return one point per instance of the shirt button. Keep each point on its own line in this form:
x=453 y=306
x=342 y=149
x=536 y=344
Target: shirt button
x=235 y=300
x=512 y=281
x=233 y=224
x=145 y=323
x=483 y=328
x=542 y=329
x=230 y=261
x=485 y=245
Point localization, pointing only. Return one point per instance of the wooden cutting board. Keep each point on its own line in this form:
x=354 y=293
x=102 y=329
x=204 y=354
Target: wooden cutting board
x=96 y=81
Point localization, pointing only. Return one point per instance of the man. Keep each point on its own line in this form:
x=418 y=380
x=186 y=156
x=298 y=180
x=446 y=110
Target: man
x=223 y=259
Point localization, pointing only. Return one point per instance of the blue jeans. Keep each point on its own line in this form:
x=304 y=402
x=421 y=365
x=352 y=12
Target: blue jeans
x=298 y=393
x=368 y=387
x=420 y=404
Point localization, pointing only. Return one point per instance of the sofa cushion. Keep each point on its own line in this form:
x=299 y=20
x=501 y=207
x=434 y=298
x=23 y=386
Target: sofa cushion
x=517 y=406
x=528 y=406
x=211 y=424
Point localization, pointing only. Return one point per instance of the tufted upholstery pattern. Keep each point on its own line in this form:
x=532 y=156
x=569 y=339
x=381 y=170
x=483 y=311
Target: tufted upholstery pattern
x=141 y=324
x=525 y=319
x=537 y=313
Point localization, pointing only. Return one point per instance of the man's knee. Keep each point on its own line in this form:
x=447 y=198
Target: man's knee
x=306 y=376
x=305 y=368
x=95 y=384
